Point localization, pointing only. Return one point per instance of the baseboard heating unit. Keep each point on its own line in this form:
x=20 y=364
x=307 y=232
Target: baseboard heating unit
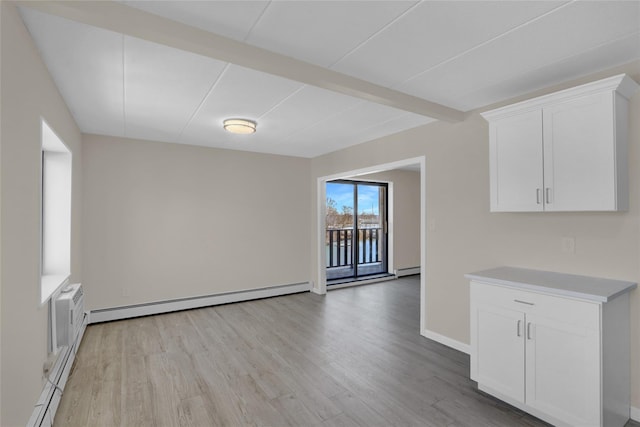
x=47 y=405
x=159 y=307
x=407 y=271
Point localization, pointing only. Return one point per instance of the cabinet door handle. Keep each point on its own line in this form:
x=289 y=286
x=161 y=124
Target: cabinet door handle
x=518 y=328
x=523 y=302
x=529 y=330
x=547 y=194
x=538 y=196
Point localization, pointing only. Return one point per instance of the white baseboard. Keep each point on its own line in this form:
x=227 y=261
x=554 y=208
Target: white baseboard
x=449 y=342
x=317 y=291
x=634 y=413
x=159 y=307
x=407 y=271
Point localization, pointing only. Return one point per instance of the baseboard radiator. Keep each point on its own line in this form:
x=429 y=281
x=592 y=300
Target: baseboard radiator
x=167 y=306
x=47 y=405
x=407 y=271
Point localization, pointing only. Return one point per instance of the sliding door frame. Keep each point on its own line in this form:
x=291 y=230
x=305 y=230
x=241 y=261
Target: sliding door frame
x=355 y=236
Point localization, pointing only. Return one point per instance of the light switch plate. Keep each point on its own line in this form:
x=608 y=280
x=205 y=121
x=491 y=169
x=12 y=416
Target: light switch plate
x=569 y=245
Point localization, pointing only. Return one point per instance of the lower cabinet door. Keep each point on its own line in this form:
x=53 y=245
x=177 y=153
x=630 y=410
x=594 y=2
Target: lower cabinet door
x=499 y=359
x=563 y=370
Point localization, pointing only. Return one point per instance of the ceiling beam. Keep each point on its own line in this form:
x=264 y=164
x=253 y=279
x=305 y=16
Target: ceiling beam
x=133 y=22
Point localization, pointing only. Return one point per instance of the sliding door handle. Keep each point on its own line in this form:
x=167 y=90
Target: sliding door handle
x=538 y=190
x=547 y=194
x=529 y=331
x=518 y=328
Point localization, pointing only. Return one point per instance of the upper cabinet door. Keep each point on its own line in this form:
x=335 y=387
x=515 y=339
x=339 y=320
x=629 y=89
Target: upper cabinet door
x=583 y=132
x=580 y=154
x=516 y=163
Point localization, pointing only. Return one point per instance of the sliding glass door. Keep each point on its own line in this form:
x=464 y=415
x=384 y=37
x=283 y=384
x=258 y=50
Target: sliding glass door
x=356 y=234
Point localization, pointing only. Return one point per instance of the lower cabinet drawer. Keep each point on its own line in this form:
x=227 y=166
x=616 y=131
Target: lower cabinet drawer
x=566 y=310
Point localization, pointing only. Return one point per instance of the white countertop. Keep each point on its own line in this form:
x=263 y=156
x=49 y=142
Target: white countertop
x=569 y=285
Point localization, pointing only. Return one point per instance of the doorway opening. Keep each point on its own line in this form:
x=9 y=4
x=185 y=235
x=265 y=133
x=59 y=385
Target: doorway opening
x=356 y=230
x=319 y=285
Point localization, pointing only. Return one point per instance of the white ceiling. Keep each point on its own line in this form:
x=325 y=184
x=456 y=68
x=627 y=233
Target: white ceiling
x=463 y=55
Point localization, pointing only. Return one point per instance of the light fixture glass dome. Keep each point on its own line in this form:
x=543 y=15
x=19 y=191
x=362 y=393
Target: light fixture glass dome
x=242 y=126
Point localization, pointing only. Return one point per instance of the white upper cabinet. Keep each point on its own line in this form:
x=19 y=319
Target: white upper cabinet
x=516 y=163
x=566 y=151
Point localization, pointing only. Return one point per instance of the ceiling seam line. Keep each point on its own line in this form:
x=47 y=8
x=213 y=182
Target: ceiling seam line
x=215 y=83
x=279 y=103
x=306 y=128
x=628 y=35
x=200 y=41
x=256 y=21
x=399 y=116
x=387 y=25
x=352 y=107
x=406 y=113
x=350 y=136
x=484 y=43
x=203 y=100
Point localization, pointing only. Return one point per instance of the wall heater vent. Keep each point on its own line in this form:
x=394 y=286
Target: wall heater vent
x=69 y=314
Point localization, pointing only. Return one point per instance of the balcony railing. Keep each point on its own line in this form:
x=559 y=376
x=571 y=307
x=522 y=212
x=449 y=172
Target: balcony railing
x=339 y=244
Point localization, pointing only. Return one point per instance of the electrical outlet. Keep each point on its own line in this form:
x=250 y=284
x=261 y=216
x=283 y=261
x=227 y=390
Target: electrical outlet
x=569 y=245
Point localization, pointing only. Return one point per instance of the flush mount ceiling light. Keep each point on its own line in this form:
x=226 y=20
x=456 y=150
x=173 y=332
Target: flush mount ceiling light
x=242 y=126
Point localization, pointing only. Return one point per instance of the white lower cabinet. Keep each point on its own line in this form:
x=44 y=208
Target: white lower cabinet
x=498 y=328
x=563 y=370
x=549 y=356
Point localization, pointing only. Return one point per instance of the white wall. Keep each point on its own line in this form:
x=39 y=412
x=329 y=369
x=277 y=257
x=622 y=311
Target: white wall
x=467 y=237
x=164 y=221
x=28 y=94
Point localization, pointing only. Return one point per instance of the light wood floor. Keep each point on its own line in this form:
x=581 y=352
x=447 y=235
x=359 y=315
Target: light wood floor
x=352 y=358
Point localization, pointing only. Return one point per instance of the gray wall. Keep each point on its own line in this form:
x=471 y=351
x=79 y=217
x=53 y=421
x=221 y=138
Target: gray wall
x=28 y=94
x=167 y=221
